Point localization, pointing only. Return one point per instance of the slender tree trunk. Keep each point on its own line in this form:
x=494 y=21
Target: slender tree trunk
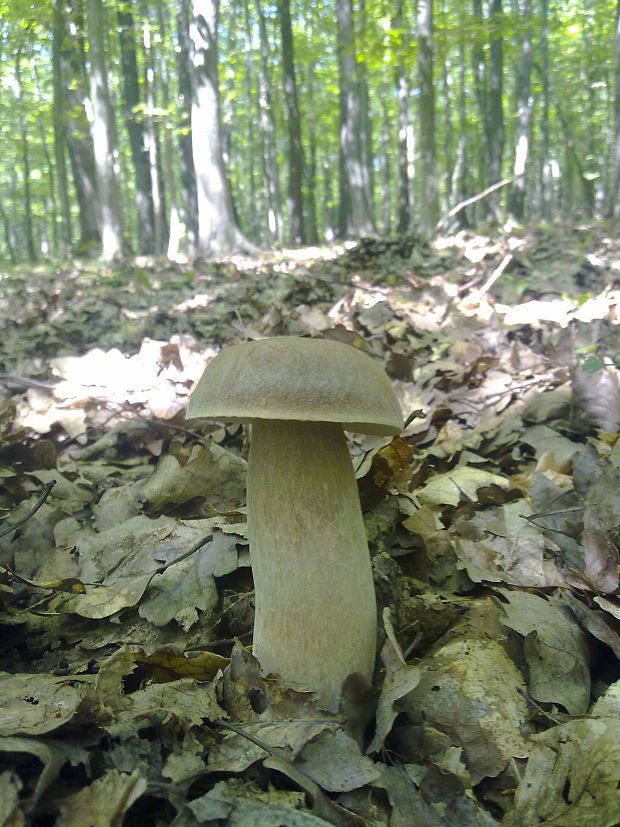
x=546 y=189
x=256 y=208
x=311 y=223
x=457 y=183
x=151 y=134
x=50 y=214
x=496 y=112
x=429 y=214
x=525 y=103
x=135 y=131
x=405 y=133
x=267 y=130
x=613 y=199
x=173 y=226
x=8 y=240
x=385 y=181
x=295 y=151
x=366 y=119
x=25 y=158
x=217 y=231
x=59 y=108
x=355 y=220
x=79 y=140
x=448 y=108
x=189 y=192
x=479 y=68
x=104 y=137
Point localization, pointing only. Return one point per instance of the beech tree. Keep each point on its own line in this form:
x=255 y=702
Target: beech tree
x=295 y=152
x=525 y=105
x=218 y=233
x=355 y=219
x=429 y=211
x=104 y=137
x=134 y=124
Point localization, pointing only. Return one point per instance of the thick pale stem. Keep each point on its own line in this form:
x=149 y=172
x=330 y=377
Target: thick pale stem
x=315 y=601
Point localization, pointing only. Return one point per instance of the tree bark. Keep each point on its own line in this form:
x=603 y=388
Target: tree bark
x=189 y=195
x=70 y=45
x=545 y=178
x=104 y=137
x=59 y=108
x=614 y=196
x=295 y=151
x=429 y=214
x=267 y=131
x=405 y=133
x=495 y=136
x=525 y=103
x=135 y=132
x=457 y=183
x=217 y=231
x=25 y=159
x=151 y=134
x=355 y=220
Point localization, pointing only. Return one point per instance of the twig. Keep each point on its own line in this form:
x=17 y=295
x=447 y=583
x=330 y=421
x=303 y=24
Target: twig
x=322 y=805
x=537 y=706
x=165 y=566
x=494 y=275
x=47 y=488
x=472 y=200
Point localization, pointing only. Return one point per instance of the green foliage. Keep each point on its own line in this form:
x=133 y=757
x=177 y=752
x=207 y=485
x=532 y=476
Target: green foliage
x=581 y=125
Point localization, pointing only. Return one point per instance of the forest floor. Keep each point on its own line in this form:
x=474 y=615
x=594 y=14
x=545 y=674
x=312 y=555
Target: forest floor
x=127 y=695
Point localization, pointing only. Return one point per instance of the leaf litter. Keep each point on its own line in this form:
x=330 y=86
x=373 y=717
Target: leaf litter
x=128 y=693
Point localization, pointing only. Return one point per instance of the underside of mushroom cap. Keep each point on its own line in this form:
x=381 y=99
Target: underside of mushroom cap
x=292 y=378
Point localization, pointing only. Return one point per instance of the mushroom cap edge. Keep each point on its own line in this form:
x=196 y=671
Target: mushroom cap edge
x=292 y=378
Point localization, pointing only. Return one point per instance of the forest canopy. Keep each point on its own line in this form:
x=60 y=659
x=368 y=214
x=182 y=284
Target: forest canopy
x=199 y=128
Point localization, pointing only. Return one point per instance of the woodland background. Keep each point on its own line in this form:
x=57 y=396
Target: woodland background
x=199 y=128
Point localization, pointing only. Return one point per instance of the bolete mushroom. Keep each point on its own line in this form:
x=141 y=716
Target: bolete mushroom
x=315 y=620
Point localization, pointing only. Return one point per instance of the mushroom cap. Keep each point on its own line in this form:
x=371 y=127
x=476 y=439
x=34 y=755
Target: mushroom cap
x=299 y=379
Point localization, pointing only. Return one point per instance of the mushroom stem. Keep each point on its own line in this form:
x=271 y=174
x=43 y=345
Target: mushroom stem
x=315 y=617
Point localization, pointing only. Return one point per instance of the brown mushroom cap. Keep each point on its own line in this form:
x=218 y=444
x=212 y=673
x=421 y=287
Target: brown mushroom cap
x=291 y=378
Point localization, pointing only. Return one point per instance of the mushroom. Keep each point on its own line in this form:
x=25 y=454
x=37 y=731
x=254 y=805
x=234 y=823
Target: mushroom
x=315 y=618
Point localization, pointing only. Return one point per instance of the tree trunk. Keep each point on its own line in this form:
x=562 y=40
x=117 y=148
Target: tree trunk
x=59 y=108
x=189 y=193
x=457 y=183
x=25 y=159
x=79 y=140
x=50 y=212
x=495 y=136
x=135 y=132
x=256 y=207
x=151 y=134
x=311 y=224
x=385 y=180
x=525 y=103
x=267 y=131
x=429 y=213
x=174 y=224
x=614 y=196
x=546 y=189
x=295 y=151
x=365 y=119
x=355 y=220
x=217 y=231
x=405 y=133
x=104 y=137
x=479 y=68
